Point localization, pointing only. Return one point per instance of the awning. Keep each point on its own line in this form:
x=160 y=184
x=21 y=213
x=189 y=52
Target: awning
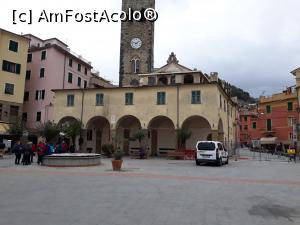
x=268 y=140
x=4 y=129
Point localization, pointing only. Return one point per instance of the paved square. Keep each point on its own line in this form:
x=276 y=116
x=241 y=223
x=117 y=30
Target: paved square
x=151 y=192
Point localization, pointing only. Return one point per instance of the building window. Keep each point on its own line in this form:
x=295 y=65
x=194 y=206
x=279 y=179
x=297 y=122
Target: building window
x=9 y=89
x=245 y=118
x=269 y=125
x=42 y=72
x=196 y=97
x=268 y=109
x=254 y=125
x=241 y=127
x=221 y=101
x=291 y=136
x=85 y=84
x=43 y=55
x=291 y=121
x=79 y=82
x=28 y=74
x=24 y=117
x=290 y=106
x=161 y=98
x=224 y=105
x=38 y=116
x=79 y=67
x=13 y=46
x=26 y=96
x=70 y=100
x=135 y=66
x=85 y=71
x=246 y=127
x=128 y=98
x=99 y=99
x=70 y=62
x=11 y=67
x=70 y=78
x=39 y=94
x=29 y=57
x=14 y=110
x=89 y=135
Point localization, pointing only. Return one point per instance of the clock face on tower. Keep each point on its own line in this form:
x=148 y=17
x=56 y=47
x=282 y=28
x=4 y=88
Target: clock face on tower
x=136 y=43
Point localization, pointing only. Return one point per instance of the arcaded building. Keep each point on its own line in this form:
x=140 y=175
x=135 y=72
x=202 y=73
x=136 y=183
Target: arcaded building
x=157 y=101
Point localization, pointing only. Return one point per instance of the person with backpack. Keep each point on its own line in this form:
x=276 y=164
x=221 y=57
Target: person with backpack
x=18 y=150
x=41 y=151
x=27 y=153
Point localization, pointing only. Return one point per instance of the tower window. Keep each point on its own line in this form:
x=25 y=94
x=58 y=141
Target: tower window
x=135 y=64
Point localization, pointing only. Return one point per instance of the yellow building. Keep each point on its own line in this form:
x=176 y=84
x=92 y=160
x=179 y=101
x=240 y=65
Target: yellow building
x=13 y=59
x=166 y=100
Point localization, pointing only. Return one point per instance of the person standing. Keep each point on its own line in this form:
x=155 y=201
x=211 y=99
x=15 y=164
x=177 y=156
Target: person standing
x=27 y=153
x=18 y=150
x=33 y=152
x=41 y=151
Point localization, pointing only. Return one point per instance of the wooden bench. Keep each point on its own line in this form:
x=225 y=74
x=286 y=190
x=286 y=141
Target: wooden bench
x=135 y=153
x=177 y=154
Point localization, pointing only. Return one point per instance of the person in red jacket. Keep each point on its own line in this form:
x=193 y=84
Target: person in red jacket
x=33 y=152
x=41 y=151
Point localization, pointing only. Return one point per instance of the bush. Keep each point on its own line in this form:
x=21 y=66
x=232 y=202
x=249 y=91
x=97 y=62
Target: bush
x=108 y=150
x=118 y=155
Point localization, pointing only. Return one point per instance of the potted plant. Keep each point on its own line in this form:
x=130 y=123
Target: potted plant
x=117 y=161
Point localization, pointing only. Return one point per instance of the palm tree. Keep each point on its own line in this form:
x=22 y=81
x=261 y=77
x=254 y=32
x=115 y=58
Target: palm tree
x=183 y=135
x=72 y=129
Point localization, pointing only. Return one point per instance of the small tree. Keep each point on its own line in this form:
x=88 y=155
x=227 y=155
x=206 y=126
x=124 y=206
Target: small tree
x=17 y=128
x=183 y=135
x=72 y=129
x=48 y=130
x=140 y=135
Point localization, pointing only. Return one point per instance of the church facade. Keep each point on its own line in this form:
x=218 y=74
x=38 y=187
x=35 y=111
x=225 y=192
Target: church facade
x=156 y=101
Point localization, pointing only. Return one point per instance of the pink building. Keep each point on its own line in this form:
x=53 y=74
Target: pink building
x=50 y=65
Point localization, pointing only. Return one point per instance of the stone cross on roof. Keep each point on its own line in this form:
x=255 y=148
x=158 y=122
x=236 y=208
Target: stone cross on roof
x=172 y=59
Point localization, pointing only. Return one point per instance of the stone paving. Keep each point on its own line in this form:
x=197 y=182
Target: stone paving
x=151 y=192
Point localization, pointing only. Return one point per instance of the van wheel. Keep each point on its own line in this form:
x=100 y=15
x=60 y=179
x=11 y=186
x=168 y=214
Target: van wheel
x=197 y=163
x=220 y=163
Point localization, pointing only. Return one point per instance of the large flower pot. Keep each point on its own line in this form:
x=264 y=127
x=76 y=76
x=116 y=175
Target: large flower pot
x=117 y=165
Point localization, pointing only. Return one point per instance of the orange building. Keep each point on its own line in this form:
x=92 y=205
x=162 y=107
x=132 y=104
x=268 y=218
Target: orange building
x=273 y=121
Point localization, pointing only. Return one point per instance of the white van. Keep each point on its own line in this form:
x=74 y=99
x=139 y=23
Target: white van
x=211 y=152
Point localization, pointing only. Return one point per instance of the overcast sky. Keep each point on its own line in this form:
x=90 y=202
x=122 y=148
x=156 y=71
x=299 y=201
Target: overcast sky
x=254 y=44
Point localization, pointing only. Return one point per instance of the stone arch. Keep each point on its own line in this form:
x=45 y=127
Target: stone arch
x=126 y=128
x=97 y=133
x=188 y=79
x=65 y=120
x=200 y=129
x=161 y=135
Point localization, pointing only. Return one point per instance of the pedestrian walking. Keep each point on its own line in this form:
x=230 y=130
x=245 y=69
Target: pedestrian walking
x=292 y=154
x=18 y=150
x=41 y=151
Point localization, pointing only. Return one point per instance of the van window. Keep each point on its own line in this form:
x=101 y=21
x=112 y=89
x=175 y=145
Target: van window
x=207 y=146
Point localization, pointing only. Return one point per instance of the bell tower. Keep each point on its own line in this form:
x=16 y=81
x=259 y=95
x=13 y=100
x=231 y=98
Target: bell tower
x=137 y=44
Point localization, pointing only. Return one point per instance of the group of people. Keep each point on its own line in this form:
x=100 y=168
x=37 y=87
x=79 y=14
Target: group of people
x=29 y=150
